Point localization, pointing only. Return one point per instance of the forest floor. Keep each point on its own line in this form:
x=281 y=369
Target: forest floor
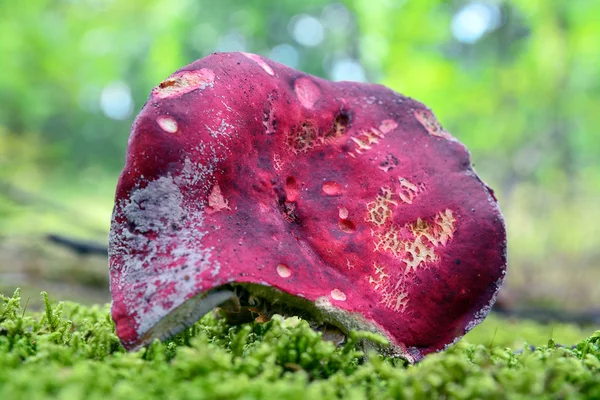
x=70 y=351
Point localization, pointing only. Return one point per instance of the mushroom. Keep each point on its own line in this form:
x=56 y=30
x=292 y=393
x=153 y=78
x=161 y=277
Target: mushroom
x=261 y=189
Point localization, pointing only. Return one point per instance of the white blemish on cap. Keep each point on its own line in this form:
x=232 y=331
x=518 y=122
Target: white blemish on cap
x=257 y=59
x=284 y=271
x=343 y=212
x=431 y=124
x=337 y=294
x=223 y=130
x=307 y=92
x=167 y=124
x=387 y=126
x=332 y=188
x=158 y=209
x=216 y=201
x=184 y=82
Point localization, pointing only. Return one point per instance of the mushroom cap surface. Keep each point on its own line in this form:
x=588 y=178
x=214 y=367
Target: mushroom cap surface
x=345 y=198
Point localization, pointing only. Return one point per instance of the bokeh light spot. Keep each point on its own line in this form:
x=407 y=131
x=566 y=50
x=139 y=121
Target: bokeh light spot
x=347 y=69
x=307 y=30
x=285 y=54
x=472 y=21
x=116 y=101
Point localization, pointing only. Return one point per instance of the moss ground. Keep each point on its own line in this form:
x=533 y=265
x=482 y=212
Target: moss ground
x=69 y=351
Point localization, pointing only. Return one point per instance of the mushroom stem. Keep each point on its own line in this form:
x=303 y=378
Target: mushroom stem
x=185 y=315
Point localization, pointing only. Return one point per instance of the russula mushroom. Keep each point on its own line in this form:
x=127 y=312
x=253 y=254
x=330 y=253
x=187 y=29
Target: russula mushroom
x=254 y=186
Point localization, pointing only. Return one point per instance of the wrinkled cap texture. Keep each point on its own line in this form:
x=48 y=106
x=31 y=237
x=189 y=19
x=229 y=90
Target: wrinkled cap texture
x=348 y=196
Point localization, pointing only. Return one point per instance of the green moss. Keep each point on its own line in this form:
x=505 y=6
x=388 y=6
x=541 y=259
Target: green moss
x=70 y=352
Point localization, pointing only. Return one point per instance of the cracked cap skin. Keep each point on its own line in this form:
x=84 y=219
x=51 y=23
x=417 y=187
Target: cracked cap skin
x=344 y=199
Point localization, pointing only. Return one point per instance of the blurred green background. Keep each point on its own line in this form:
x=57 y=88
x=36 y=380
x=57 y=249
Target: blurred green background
x=516 y=81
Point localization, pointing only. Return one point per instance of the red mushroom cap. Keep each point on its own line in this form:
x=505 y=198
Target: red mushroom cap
x=344 y=199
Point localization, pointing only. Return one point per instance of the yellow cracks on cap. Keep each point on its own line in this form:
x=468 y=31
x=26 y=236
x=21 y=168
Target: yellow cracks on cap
x=389 y=240
x=417 y=253
x=445 y=220
x=216 y=201
x=302 y=139
x=414 y=245
x=167 y=123
x=365 y=139
x=431 y=124
x=379 y=277
x=337 y=294
x=380 y=210
x=437 y=233
x=393 y=296
x=284 y=271
x=184 y=82
x=350 y=264
x=257 y=59
x=307 y=92
x=397 y=301
x=277 y=163
x=307 y=136
x=407 y=191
